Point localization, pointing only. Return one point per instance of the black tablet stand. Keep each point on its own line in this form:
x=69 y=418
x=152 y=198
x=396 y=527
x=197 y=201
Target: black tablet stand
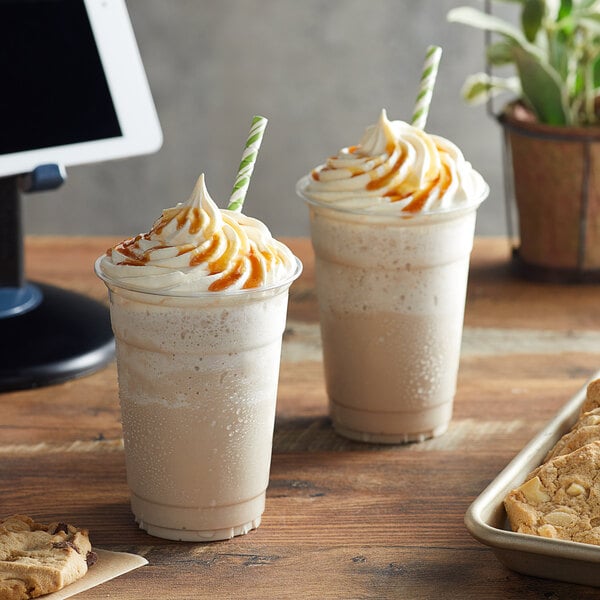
x=47 y=334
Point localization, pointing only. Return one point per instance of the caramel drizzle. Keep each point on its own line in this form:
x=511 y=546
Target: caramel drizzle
x=255 y=276
x=376 y=184
x=402 y=191
x=418 y=197
x=354 y=170
x=192 y=216
x=228 y=278
x=131 y=250
x=200 y=256
x=256 y=272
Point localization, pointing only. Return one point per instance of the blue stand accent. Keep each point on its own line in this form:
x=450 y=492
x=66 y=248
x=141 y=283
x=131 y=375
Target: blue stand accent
x=47 y=334
x=19 y=300
x=42 y=178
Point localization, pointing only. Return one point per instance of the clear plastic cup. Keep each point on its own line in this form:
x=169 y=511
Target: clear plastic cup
x=198 y=375
x=391 y=292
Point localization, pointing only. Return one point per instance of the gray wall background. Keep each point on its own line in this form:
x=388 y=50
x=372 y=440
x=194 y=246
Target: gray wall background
x=320 y=70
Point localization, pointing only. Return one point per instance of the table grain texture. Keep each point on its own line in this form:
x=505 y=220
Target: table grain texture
x=343 y=520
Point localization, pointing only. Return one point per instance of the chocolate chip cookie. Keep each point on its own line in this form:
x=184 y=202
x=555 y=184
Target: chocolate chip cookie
x=37 y=559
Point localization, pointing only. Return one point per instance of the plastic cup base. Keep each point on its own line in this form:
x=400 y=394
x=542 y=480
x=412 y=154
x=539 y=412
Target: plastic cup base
x=188 y=535
x=390 y=438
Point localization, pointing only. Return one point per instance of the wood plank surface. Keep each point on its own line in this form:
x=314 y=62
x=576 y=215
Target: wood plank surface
x=343 y=519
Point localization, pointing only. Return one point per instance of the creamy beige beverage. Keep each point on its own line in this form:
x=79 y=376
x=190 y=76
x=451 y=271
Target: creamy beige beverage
x=198 y=308
x=392 y=223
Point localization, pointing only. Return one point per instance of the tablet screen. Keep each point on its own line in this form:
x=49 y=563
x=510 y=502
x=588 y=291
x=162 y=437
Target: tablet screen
x=54 y=90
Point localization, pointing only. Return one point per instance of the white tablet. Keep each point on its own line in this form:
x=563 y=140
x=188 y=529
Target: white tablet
x=73 y=86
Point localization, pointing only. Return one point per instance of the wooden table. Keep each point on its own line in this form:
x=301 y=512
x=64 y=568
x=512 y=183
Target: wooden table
x=343 y=520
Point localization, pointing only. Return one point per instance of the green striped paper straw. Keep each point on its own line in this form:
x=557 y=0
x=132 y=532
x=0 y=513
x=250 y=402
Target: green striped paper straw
x=428 y=75
x=246 y=167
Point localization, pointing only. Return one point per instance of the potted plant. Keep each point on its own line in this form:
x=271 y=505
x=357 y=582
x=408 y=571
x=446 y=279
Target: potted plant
x=551 y=129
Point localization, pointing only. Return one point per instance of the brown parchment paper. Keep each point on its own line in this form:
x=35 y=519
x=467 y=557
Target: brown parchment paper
x=108 y=566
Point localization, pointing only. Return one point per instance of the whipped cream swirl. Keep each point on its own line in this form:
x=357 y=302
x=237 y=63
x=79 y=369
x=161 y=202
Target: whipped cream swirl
x=397 y=168
x=195 y=246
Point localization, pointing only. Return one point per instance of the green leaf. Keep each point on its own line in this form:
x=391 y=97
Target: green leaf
x=477 y=89
x=591 y=22
x=566 y=6
x=596 y=72
x=468 y=15
x=500 y=53
x=480 y=87
x=558 y=53
x=541 y=88
x=531 y=18
x=584 y=4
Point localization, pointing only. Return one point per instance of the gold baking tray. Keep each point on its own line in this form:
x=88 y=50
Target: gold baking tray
x=532 y=555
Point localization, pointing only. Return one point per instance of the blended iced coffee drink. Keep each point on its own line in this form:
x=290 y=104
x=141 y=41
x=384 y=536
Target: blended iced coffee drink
x=392 y=222
x=198 y=308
